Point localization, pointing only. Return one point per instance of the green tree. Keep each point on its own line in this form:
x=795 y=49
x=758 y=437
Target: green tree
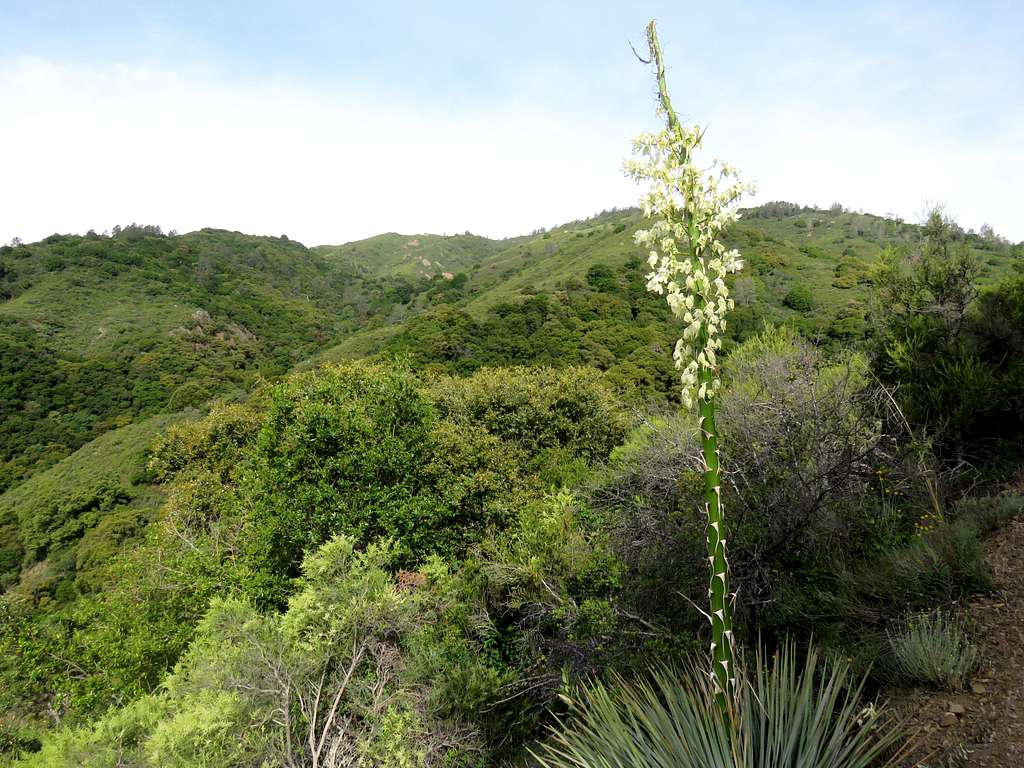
x=938 y=281
x=922 y=304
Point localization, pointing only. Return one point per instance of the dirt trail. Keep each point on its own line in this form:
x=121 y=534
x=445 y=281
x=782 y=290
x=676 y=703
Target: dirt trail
x=984 y=726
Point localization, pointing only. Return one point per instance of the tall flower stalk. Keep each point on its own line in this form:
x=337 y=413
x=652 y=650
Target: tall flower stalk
x=688 y=207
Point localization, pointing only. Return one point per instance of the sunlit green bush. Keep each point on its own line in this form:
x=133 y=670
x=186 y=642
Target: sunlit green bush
x=333 y=680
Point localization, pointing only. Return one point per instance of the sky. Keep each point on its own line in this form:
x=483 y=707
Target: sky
x=334 y=121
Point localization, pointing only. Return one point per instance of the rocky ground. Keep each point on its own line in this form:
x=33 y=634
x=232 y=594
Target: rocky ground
x=984 y=725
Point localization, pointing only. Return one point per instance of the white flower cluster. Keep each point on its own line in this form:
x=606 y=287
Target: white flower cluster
x=690 y=207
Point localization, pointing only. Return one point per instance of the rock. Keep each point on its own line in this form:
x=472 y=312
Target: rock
x=957 y=709
x=948 y=719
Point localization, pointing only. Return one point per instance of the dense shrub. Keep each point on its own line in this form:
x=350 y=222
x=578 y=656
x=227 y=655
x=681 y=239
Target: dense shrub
x=338 y=451
x=805 y=441
x=326 y=682
x=987 y=513
x=365 y=450
x=610 y=323
x=213 y=442
x=952 y=352
x=941 y=566
x=539 y=409
x=553 y=585
x=356 y=449
x=799 y=298
x=72 y=656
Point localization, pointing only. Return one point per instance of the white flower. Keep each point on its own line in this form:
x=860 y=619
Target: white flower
x=688 y=209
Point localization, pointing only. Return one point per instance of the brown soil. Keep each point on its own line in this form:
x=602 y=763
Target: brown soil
x=983 y=726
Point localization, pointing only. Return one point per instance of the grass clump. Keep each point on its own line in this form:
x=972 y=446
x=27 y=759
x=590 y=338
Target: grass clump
x=789 y=712
x=987 y=513
x=933 y=649
x=942 y=566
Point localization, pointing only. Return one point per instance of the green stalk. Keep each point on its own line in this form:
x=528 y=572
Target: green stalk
x=722 y=656
x=722 y=653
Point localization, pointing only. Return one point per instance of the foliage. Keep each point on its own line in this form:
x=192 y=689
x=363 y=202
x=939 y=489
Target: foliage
x=933 y=649
x=324 y=683
x=804 y=439
x=987 y=513
x=788 y=713
x=548 y=298
x=214 y=442
x=799 y=299
x=178 y=319
x=509 y=586
x=808 y=445
x=538 y=409
x=140 y=323
x=952 y=355
x=68 y=661
x=552 y=584
x=618 y=331
x=851 y=604
x=48 y=519
x=412 y=257
x=338 y=450
x=938 y=567
x=942 y=281
x=365 y=450
x=362 y=449
x=71 y=617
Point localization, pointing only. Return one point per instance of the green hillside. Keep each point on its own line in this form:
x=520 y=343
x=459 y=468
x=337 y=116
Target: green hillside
x=784 y=242
x=411 y=256
x=98 y=331
x=61 y=533
x=43 y=520
x=537 y=298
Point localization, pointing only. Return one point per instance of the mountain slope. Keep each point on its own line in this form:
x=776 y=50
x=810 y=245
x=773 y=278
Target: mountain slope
x=100 y=332
x=411 y=256
x=97 y=331
x=43 y=520
x=805 y=266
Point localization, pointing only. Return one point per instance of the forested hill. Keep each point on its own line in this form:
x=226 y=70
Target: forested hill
x=98 y=331
x=577 y=293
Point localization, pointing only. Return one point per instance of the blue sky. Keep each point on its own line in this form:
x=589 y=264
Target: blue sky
x=333 y=121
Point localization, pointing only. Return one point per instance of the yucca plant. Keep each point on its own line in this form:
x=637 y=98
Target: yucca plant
x=790 y=712
x=689 y=206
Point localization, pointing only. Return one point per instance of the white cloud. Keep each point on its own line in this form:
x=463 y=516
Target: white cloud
x=803 y=154
x=88 y=148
